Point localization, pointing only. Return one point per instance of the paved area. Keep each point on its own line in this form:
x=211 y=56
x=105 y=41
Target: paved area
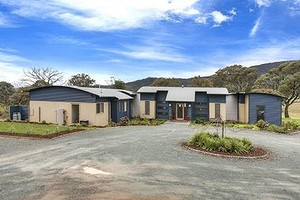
x=145 y=163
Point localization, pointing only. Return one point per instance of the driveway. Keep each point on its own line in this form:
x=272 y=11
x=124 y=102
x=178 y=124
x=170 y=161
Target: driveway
x=145 y=163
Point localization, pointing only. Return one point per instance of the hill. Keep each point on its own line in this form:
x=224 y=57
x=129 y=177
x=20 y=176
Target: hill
x=264 y=68
x=135 y=85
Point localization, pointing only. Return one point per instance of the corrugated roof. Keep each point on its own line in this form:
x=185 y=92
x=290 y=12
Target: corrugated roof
x=104 y=92
x=183 y=94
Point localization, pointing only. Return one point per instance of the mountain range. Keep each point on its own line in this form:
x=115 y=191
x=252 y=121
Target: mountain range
x=261 y=69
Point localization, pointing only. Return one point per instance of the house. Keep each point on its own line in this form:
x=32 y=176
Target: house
x=183 y=103
x=191 y=103
x=70 y=105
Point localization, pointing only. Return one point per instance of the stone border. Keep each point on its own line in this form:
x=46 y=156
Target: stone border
x=226 y=156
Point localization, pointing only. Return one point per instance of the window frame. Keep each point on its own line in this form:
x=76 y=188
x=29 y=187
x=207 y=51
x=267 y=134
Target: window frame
x=147 y=108
x=122 y=106
x=217 y=114
x=100 y=108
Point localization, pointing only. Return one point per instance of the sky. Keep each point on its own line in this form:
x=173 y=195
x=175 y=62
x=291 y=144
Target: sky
x=134 y=39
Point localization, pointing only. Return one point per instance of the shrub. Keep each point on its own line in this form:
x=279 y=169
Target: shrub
x=140 y=121
x=210 y=142
x=262 y=124
x=199 y=121
x=124 y=121
x=290 y=125
x=44 y=122
x=277 y=129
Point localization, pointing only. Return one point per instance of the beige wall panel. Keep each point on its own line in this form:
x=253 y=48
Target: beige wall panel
x=152 y=110
x=212 y=113
x=223 y=111
x=242 y=113
x=247 y=109
x=87 y=111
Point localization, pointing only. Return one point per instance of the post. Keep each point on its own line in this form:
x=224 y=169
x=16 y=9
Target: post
x=223 y=129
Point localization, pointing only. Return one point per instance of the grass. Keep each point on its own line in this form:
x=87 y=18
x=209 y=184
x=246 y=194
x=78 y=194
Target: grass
x=294 y=110
x=211 y=142
x=34 y=129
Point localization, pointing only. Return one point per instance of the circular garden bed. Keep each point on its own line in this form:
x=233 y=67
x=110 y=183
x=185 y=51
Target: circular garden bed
x=228 y=147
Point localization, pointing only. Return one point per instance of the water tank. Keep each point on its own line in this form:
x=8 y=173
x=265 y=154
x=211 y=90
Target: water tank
x=20 y=111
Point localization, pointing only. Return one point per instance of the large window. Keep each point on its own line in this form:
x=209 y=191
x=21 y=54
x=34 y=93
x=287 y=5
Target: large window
x=122 y=106
x=100 y=108
x=147 y=107
x=217 y=110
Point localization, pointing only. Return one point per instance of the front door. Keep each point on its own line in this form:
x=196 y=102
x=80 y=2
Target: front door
x=179 y=111
x=75 y=114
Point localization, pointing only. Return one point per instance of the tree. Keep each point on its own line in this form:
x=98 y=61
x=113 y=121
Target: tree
x=20 y=97
x=198 y=81
x=120 y=85
x=235 y=78
x=167 y=82
x=284 y=79
x=48 y=76
x=6 y=89
x=81 y=80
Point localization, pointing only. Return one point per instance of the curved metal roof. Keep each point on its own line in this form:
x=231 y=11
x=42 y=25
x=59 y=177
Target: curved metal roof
x=100 y=92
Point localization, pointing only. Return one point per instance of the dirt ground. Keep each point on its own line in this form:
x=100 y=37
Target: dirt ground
x=145 y=163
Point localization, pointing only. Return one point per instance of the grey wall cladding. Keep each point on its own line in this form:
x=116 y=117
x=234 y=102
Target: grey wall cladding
x=63 y=94
x=147 y=96
x=273 y=108
x=200 y=107
x=162 y=110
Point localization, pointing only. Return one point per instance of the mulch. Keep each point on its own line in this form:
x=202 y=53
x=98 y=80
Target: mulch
x=48 y=136
x=256 y=152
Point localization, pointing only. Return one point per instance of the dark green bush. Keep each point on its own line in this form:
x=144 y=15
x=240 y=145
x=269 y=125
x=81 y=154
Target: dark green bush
x=211 y=142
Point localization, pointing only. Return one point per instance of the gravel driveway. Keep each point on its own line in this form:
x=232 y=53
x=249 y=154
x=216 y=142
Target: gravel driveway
x=145 y=163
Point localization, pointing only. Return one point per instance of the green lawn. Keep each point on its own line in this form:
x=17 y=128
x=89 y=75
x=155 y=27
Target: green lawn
x=34 y=129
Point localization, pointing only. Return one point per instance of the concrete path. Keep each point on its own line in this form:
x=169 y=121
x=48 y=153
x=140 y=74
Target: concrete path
x=145 y=163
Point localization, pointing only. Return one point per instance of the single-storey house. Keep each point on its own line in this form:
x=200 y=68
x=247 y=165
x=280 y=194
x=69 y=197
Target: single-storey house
x=191 y=103
x=70 y=105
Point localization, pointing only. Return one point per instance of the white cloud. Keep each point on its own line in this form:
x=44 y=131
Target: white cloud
x=65 y=40
x=103 y=15
x=156 y=52
x=263 y=3
x=289 y=50
x=4 y=22
x=11 y=65
x=233 y=11
x=255 y=28
x=201 y=20
x=219 y=18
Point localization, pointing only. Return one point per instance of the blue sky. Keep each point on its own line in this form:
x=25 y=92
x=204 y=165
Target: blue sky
x=133 y=39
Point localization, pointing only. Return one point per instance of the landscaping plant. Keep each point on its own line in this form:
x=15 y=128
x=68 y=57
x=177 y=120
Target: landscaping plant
x=211 y=142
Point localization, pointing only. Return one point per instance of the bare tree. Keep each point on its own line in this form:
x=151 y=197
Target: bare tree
x=48 y=76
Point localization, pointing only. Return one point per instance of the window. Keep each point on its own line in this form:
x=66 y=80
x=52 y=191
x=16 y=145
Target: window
x=147 y=107
x=122 y=106
x=260 y=112
x=217 y=110
x=100 y=108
